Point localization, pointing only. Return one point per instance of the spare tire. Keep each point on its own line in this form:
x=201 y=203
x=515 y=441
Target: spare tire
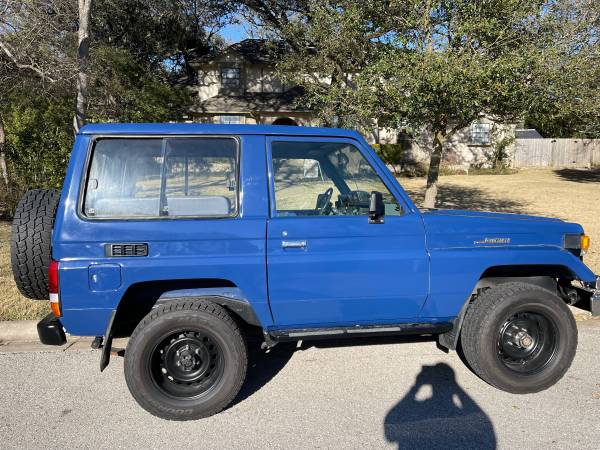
x=30 y=248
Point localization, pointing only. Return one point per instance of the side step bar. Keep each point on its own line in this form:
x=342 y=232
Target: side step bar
x=359 y=330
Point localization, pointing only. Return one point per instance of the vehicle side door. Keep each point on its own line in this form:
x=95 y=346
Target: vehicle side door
x=326 y=263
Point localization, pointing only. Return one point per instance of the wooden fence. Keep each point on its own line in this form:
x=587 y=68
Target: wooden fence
x=557 y=153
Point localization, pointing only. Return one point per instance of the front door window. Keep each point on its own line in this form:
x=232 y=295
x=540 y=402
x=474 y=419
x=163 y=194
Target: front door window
x=325 y=179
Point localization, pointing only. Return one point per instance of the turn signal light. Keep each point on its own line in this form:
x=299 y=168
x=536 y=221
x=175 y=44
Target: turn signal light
x=55 y=308
x=585 y=243
x=53 y=288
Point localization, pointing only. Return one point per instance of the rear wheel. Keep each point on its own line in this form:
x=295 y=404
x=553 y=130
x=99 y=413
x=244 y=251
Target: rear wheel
x=519 y=337
x=186 y=360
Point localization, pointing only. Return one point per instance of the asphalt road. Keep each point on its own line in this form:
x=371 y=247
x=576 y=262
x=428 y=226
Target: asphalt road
x=384 y=394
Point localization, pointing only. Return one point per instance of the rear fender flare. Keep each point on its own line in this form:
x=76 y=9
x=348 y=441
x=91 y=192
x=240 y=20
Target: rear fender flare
x=230 y=298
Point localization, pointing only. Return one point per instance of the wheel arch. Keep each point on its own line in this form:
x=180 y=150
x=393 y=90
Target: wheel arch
x=546 y=276
x=140 y=298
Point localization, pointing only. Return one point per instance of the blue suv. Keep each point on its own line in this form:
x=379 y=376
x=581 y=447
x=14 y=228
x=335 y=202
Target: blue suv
x=192 y=240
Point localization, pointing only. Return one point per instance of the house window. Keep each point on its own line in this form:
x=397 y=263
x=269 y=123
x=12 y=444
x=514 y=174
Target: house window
x=230 y=120
x=230 y=77
x=480 y=133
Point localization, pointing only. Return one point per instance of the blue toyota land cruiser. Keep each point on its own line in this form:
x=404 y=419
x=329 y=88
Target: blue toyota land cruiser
x=189 y=239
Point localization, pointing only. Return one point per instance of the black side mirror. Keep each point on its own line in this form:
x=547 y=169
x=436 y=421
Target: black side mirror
x=376 y=208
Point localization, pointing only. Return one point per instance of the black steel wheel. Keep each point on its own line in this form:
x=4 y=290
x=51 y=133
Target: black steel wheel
x=186 y=364
x=527 y=342
x=519 y=337
x=186 y=360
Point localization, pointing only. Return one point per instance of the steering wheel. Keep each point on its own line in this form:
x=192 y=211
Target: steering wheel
x=323 y=201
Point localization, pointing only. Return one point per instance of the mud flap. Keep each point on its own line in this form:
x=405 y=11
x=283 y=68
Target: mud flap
x=106 y=348
x=449 y=340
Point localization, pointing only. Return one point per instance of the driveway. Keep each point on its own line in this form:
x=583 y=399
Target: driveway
x=378 y=395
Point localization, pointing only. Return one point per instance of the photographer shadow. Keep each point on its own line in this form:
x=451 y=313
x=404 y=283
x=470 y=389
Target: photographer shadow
x=447 y=418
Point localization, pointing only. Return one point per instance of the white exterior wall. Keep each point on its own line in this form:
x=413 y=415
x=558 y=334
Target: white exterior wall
x=270 y=83
x=253 y=78
x=459 y=153
x=208 y=83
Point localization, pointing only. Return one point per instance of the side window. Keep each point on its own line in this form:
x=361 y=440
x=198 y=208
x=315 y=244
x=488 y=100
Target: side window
x=170 y=177
x=201 y=177
x=325 y=178
x=124 y=178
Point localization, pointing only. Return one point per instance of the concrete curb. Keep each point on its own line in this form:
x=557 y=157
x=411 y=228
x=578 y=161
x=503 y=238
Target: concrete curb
x=18 y=330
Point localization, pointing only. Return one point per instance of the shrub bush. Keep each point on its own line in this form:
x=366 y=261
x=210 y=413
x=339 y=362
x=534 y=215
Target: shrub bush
x=38 y=142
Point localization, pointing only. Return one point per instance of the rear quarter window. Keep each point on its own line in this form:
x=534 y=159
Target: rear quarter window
x=162 y=178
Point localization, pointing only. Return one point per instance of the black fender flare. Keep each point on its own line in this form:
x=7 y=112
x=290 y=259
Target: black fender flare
x=239 y=306
x=449 y=340
x=229 y=298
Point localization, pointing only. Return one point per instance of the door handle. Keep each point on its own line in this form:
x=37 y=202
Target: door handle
x=294 y=244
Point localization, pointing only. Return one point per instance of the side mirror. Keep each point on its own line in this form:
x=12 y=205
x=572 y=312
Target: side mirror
x=376 y=208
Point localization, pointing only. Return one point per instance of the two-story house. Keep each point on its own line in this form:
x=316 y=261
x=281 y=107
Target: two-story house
x=238 y=85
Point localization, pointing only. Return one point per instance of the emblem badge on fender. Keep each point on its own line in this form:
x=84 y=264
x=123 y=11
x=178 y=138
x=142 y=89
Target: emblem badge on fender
x=496 y=240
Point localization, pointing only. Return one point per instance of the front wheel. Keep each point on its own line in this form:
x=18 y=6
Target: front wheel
x=519 y=337
x=186 y=360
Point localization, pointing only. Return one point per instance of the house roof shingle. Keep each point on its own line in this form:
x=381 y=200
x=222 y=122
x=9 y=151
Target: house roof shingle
x=252 y=102
x=255 y=51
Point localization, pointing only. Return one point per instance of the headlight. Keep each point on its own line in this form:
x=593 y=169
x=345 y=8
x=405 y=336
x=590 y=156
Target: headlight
x=578 y=244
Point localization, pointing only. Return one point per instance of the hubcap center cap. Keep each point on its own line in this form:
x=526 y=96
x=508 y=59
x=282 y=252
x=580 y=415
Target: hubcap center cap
x=525 y=341
x=187 y=358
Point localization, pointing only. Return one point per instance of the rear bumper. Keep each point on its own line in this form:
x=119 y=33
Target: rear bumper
x=51 y=331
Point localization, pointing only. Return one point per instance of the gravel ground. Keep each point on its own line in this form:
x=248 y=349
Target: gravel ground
x=369 y=396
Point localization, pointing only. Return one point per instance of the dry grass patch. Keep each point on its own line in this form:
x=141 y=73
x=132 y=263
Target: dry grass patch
x=568 y=194
x=572 y=195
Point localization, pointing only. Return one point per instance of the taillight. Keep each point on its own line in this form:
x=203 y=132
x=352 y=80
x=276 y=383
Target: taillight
x=53 y=288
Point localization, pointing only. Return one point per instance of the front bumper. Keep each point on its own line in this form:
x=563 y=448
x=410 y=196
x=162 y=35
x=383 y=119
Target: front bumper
x=590 y=301
x=51 y=331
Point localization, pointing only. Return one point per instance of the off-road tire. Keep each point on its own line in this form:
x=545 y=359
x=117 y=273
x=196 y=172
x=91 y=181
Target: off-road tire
x=30 y=247
x=195 y=314
x=483 y=323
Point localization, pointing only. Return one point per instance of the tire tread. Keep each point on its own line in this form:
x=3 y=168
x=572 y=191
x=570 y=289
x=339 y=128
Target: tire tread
x=194 y=304
x=479 y=317
x=31 y=241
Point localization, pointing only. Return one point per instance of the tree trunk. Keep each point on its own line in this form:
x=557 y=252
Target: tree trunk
x=434 y=169
x=83 y=58
x=3 y=168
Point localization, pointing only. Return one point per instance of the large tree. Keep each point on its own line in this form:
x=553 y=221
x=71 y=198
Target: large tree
x=83 y=60
x=162 y=32
x=435 y=65
x=63 y=62
x=567 y=100
x=36 y=60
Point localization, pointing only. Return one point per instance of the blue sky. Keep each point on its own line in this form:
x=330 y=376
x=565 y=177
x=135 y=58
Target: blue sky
x=234 y=32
